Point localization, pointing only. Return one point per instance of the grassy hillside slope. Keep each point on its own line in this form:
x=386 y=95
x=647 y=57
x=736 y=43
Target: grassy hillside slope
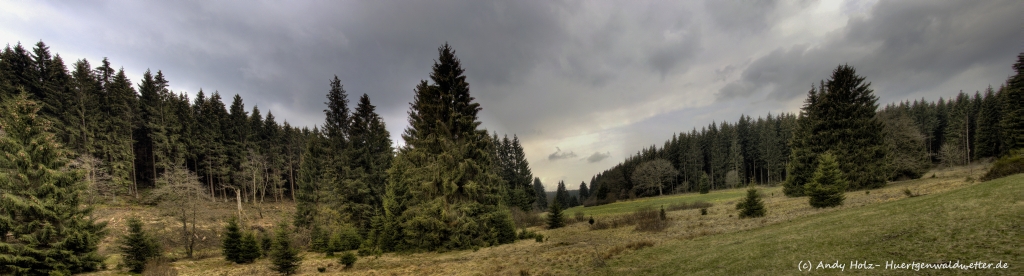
x=983 y=222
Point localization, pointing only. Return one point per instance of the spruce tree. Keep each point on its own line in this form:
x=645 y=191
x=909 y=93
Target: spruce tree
x=583 y=191
x=285 y=258
x=442 y=190
x=827 y=187
x=523 y=193
x=137 y=246
x=989 y=144
x=542 y=196
x=703 y=183
x=561 y=194
x=839 y=116
x=370 y=155
x=248 y=248
x=752 y=206
x=1013 y=108
x=46 y=229
x=314 y=174
x=230 y=245
x=555 y=217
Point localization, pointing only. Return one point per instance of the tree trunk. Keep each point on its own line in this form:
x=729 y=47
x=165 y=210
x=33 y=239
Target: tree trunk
x=291 y=174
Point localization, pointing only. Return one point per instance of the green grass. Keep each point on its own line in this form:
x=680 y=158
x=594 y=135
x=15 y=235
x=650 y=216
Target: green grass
x=622 y=207
x=983 y=222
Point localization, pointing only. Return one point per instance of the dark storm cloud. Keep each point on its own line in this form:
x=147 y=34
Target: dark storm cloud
x=597 y=157
x=902 y=47
x=588 y=75
x=559 y=154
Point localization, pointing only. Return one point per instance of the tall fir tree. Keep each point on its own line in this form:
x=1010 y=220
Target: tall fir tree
x=583 y=191
x=314 y=174
x=562 y=194
x=542 y=196
x=442 y=190
x=840 y=117
x=1013 y=108
x=45 y=227
x=989 y=144
x=370 y=155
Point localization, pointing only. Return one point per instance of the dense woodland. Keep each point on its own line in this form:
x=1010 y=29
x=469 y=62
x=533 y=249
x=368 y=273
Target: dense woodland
x=914 y=137
x=90 y=134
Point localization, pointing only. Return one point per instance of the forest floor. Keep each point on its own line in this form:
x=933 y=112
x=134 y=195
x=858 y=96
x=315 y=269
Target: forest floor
x=951 y=216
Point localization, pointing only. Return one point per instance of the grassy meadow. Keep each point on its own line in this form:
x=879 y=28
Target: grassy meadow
x=951 y=216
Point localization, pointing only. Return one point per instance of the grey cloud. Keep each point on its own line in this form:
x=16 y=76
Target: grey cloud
x=597 y=157
x=559 y=154
x=902 y=47
x=744 y=17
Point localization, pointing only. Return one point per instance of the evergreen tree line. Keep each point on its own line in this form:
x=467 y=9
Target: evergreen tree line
x=126 y=137
x=450 y=186
x=719 y=156
x=899 y=141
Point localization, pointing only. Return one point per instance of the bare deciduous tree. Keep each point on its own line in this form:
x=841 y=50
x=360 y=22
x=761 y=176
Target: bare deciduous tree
x=652 y=175
x=180 y=192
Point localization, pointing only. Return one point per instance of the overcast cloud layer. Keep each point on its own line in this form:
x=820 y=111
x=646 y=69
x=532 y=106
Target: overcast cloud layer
x=601 y=79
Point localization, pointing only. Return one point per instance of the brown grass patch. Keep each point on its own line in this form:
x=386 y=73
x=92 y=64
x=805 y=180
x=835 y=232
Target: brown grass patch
x=526 y=219
x=688 y=206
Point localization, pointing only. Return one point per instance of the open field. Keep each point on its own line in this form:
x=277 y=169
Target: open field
x=954 y=218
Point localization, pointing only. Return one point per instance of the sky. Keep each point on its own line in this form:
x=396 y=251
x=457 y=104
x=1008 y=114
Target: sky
x=583 y=84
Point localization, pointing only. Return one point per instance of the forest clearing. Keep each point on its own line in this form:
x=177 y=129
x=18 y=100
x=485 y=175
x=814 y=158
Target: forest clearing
x=712 y=244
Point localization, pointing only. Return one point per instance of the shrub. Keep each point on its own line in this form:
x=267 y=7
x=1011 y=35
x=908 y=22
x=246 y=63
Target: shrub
x=752 y=206
x=1007 y=165
x=703 y=211
x=285 y=257
x=138 y=246
x=579 y=216
x=526 y=234
x=526 y=219
x=538 y=237
x=827 y=187
x=348 y=259
x=321 y=269
x=555 y=216
x=662 y=215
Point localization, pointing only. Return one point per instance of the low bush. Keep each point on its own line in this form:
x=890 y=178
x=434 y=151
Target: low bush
x=1007 y=165
x=348 y=259
x=526 y=219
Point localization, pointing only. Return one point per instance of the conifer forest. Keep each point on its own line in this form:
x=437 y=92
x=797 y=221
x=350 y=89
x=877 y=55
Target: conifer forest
x=112 y=171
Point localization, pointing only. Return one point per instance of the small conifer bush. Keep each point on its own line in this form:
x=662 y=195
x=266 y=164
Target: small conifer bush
x=285 y=258
x=752 y=206
x=348 y=259
x=138 y=246
x=827 y=187
x=555 y=219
